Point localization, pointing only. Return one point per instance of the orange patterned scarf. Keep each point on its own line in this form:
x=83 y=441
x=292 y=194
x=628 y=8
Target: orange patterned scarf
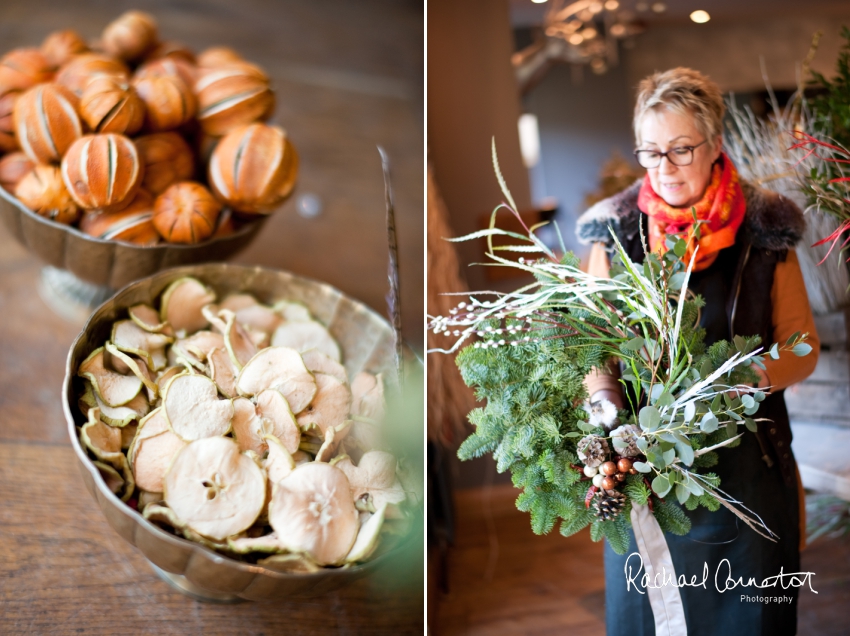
x=722 y=207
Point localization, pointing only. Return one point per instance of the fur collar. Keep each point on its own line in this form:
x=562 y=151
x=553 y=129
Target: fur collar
x=772 y=221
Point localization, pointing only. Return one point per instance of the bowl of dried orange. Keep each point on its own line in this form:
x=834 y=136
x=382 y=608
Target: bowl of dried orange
x=229 y=422
x=128 y=155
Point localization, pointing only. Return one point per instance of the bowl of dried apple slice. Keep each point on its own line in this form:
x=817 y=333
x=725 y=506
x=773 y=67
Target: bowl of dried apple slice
x=228 y=421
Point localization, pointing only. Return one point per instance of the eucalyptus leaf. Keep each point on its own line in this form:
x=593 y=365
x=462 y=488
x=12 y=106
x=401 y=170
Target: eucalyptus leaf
x=774 y=351
x=690 y=411
x=676 y=281
x=642 y=444
x=751 y=425
x=793 y=337
x=660 y=485
x=709 y=423
x=680 y=248
x=682 y=493
x=634 y=344
x=642 y=467
x=669 y=456
x=665 y=399
x=649 y=418
x=801 y=349
x=685 y=453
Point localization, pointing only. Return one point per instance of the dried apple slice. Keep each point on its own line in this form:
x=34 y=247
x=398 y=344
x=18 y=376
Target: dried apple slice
x=166 y=374
x=138 y=366
x=318 y=362
x=330 y=406
x=367 y=393
x=333 y=439
x=128 y=434
x=300 y=457
x=153 y=451
x=278 y=368
x=235 y=302
x=239 y=345
x=367 y=536
x=132 y=339
x=154 y=423
x=114 y=416
x=290 y=563
x=148 y=319
x=113 y=388
x=182 y=303
x=376 y=478
x=248 y=426
x=258 y=317
x=292 y=311
x=101 y=439
x=222 y=372
x=303 y=336
x=269 y=543
x=113 y=479
x=196 y=348
x=312 y=512
x=193 y=409
x=165 y=515
x=273 y=407
x=279 y=463
x=216 y=490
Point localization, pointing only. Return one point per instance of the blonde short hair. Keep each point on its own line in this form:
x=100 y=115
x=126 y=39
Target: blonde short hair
x=685 y=91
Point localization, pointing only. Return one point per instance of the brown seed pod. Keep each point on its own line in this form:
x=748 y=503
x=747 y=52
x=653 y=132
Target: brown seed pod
x=43 y=192
x=218 y=56
x=186 y=213
x=253 y=168
x=133 y=224
x=46 y=122
x=103 y=172
x=609 y=483
x=167 y=159
x=231 y=97
x=81 y=69
x=130 y=36
x=8 y=142
x=13 y=168
x=60 y=46
x=169 y=103
x=173 y=66
x=22 y=68
x=110 y=105
x=624 y=464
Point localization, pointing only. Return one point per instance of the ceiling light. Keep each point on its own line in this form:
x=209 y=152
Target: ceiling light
x=538 y=1
x=659 y=7
x=595 y=7
x=700 y=17
x=589 y=33
x=612 y=5
x=618 y=29
x=598 y=66
x=576 y=39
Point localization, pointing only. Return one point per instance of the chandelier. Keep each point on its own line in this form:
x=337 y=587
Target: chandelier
x=585 y=33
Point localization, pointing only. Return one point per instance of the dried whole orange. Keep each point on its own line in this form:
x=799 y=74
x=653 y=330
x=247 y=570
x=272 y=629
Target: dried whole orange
x=80 y=69
x=233 y=96
x=130 y=36
x=133 y=224
x=13 y=167
x=169 y=103
x=43 y=192
x=22 y=68
x=111 y=105
x=8 y=142
x=103 y=172
x=60 y=46
x=46 y=122
x=171 y=49
x=167 y=159
x=218 y=56
x=186 y=213
x=253 y=168
x=171 y=65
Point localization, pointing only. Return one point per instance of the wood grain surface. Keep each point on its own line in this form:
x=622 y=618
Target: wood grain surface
x=348 y=76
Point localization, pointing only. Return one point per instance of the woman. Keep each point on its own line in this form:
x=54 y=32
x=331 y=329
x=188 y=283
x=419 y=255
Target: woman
x=748 y=273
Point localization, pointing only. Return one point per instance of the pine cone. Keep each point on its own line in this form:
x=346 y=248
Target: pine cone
x=593 y=450
x=625 y=439
x=609 y=504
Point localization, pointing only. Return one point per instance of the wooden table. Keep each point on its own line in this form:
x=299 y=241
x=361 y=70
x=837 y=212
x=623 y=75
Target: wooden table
x=348 y=76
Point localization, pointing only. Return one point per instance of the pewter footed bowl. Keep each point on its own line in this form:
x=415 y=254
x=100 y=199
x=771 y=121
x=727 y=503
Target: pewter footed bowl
x=367 y=344
x=83 y=271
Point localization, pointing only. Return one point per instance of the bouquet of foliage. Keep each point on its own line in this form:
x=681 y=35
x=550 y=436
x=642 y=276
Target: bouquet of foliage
x=588 y=465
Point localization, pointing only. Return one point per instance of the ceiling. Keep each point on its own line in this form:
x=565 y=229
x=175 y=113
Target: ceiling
x=524 y=13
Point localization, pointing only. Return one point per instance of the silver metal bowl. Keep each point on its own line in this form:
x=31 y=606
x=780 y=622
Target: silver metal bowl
x=100 y=266
x=367 y=343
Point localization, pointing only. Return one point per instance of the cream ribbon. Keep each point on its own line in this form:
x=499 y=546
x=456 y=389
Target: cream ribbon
x=665 y=600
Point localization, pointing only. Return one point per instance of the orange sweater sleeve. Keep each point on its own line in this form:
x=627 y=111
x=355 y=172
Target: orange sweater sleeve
x=791 y=313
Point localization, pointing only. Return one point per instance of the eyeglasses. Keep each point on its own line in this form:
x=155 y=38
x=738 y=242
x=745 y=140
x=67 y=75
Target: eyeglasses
x=678 y=156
